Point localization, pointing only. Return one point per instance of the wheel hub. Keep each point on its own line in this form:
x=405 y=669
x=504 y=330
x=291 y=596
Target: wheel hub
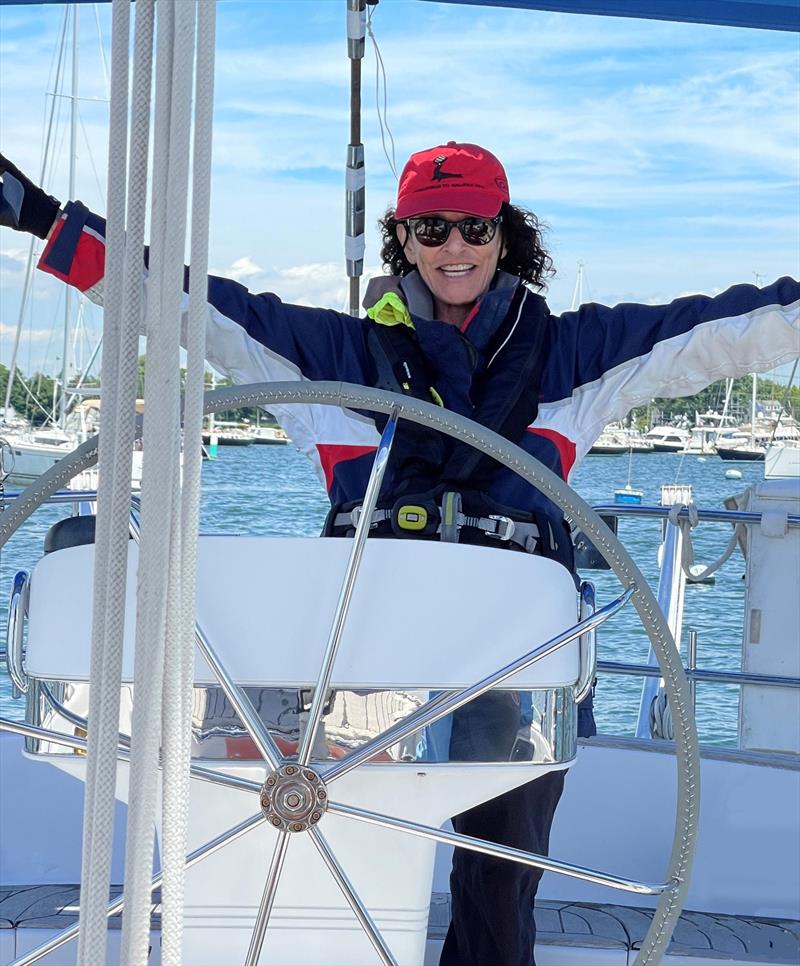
x=293 y=798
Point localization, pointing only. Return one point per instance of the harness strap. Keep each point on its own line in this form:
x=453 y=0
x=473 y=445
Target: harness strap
x=416 y=519
x=511 y=410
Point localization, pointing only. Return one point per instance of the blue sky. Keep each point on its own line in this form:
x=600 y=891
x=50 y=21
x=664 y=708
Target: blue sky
x=665 y=157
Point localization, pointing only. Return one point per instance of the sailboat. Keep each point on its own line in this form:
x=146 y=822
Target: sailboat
x=744 y=448
x=32 y=450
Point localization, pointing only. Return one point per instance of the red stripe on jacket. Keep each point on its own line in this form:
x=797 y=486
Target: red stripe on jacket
x=565 y=447
x=331 y=454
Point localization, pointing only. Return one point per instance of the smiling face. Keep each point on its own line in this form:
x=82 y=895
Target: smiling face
x=456 y=273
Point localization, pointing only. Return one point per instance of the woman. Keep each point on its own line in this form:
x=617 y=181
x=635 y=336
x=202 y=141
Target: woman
x=457 y=321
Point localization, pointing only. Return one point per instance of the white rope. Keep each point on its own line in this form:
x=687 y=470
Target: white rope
x=687 y=524
x=106 y=654
x=179 y=672
x=159 y=585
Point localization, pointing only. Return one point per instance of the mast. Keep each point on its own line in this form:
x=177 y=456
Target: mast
x=354 y=178
x=73 y=140
x=759 y=278
x=728 y=391
x=12 y=368
x=577 y=295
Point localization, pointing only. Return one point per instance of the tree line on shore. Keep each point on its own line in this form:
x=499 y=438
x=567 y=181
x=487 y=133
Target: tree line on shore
x=32 y=398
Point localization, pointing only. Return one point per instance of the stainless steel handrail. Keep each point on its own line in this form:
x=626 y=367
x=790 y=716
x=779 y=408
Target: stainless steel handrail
x=747 y=517
x=693 y=673
x=17 y=608
x=588 y=642
x=81 y=721
x=61 y=496
x=68 y=496
x=698 y=674
x=671 y=587
x=449 y=701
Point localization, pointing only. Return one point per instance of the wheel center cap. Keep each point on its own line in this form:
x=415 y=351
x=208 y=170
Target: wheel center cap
x=293 y=798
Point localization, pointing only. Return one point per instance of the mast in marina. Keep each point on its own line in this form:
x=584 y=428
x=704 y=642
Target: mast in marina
x=73 y=140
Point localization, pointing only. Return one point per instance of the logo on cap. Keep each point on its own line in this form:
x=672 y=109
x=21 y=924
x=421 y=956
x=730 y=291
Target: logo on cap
x=438 y=174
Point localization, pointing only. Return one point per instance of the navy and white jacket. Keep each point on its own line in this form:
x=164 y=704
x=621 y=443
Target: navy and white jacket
x=600 y=362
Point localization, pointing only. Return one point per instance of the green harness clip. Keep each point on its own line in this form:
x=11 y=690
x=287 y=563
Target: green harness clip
x=412 y=517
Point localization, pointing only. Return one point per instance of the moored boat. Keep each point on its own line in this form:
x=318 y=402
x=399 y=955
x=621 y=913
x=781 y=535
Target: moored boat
x=269 y=436
x=667 y=439
x=744 y=453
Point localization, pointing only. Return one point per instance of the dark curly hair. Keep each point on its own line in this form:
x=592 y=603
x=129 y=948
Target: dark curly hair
x=522 y=231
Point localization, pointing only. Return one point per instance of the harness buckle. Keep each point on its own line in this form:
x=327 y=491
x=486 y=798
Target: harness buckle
x=505 y=528
x=414 y=516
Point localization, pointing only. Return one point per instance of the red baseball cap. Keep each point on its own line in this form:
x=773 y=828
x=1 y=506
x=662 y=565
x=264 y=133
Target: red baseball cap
x=452 y=177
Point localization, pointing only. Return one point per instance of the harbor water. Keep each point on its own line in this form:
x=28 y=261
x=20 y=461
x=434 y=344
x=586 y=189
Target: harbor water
x=272 y=490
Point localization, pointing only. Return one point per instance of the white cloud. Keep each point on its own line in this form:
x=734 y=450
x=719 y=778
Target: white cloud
x=243 y=268
x=35 y=335
x=16 y=255
x=664 y=156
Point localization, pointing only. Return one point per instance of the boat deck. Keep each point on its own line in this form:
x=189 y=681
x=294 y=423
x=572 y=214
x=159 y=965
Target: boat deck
x=579 y=925
x=697 y=935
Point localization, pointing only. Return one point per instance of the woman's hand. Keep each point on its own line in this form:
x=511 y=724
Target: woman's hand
x=23 y=205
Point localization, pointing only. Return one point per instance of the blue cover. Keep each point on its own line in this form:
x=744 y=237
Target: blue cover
x=766 y=14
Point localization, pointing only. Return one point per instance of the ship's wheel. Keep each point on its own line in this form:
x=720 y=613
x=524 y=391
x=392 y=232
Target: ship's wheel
x=296 y=794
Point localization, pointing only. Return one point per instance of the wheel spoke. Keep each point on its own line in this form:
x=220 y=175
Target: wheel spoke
x=220 y=778
x=116 y=906
x=267 y=899
x=123 y=754
x=237 y=696
x=345 y=595
x=353 y=898
x=242 y=705
x=449 y=701
x=500 y=851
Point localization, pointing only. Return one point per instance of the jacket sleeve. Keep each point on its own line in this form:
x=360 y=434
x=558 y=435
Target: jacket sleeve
x=606 y=361
x=250 y=338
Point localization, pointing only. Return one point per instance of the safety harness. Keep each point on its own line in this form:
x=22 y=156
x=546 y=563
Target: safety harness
x=439 y=487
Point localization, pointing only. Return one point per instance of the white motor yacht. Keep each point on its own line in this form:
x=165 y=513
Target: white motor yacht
x=269 y=436
x=668 y=439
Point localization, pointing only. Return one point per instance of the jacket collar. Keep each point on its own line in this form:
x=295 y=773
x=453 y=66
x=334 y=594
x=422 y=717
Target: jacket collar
x=487 y=316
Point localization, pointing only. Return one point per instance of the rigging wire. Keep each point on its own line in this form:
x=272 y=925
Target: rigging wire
x=91 y=160
x=380 y=72
x=783 y=403
x=53 y=81
x=103 y=61
x=47 y=415
x=27 y=286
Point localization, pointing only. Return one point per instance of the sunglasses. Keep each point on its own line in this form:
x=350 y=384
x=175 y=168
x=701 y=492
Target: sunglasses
x=433 y=232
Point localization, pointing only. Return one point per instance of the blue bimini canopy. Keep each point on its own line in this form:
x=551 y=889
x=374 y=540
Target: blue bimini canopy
x=765 y=14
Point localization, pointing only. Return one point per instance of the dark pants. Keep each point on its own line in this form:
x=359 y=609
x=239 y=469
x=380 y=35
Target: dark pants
x=492 y=899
